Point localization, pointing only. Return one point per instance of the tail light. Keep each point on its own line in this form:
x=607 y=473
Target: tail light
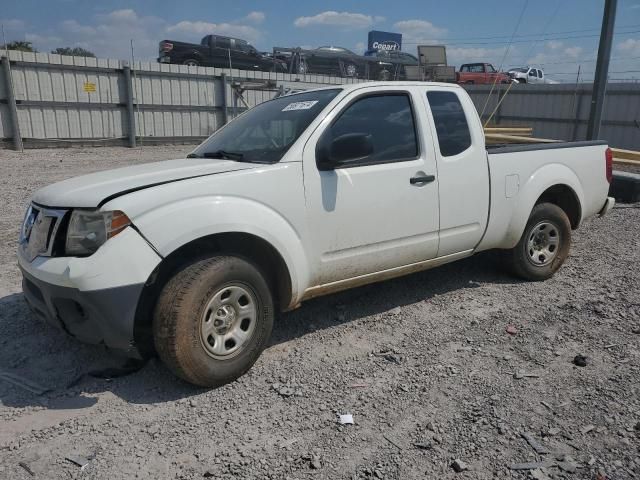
x=609 y=159
x=166 y=46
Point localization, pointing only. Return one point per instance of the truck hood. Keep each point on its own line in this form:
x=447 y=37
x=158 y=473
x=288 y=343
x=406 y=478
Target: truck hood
x=89 y=191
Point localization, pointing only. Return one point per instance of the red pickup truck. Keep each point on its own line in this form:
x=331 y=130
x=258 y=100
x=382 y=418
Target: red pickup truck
x=480 y=73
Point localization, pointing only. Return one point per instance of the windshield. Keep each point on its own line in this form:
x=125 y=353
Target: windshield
x=264 y=133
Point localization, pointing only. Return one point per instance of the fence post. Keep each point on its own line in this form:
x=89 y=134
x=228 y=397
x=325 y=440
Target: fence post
x=11 y=103
x=128 y=85
x=576 y=122
x=501 y=95
x=225 y=107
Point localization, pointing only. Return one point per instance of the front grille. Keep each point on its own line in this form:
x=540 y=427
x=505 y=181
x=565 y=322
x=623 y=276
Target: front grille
x=39 y=230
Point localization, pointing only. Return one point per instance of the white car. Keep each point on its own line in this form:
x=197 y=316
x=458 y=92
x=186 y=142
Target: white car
x=530 y=75
x=300 y=196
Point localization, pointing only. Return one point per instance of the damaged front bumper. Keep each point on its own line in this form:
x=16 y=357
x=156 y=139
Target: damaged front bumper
x=93 y=299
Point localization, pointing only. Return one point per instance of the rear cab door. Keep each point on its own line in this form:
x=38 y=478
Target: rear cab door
x=462 y=165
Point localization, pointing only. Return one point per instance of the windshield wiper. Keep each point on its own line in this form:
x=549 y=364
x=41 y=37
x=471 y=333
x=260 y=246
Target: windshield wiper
x=224 y=155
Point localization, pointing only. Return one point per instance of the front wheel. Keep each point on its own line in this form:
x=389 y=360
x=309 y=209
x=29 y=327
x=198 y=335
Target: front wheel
x=544 y=245
x=213 y=320
x=191 y=62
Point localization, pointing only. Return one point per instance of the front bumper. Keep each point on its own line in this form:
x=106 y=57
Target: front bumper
x=93 y=299
x=608 y=205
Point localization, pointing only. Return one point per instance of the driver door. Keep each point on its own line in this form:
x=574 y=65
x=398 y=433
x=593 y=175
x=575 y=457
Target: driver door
x=379 y=211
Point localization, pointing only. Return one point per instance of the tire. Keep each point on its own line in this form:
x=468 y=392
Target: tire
x=192 y=62
x=521 y=80
x=301 y=68
x=384 y=75
x=544 y=245
x=203 y=328
x=469 y=82
x=350 y=70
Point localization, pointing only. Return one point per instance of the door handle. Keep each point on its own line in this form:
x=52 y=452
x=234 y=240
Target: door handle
x=422 y=180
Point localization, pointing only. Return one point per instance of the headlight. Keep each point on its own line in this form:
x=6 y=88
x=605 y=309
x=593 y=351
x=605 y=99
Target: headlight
x=88 y=229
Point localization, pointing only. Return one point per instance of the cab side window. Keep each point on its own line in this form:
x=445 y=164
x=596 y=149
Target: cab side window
x=451 y=124
x=388 y=120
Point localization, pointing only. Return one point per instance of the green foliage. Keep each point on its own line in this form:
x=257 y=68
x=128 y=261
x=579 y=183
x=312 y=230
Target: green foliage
x=75 y=52
x=19 y=45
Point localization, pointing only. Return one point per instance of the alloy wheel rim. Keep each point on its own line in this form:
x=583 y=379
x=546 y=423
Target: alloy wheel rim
x=228 y=321
x=543 y=243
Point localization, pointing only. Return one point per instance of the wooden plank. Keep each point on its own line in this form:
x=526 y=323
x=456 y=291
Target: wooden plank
x=626 y=157
x=620 y=154
x=502 y=138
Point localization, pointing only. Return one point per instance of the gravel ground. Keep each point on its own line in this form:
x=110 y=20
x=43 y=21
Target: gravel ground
x=423 y=363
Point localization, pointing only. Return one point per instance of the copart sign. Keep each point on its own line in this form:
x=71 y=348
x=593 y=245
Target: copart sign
x=388 y=41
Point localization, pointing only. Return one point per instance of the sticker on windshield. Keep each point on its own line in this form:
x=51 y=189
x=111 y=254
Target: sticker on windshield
x=300 y=105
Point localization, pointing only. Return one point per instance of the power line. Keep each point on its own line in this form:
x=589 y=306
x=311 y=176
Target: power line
x=632 y=32
x=537 y=34
x=504 y=57
x=544 y=31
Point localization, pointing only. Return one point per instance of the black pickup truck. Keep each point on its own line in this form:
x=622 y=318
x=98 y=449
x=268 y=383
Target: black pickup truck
x=219 y=51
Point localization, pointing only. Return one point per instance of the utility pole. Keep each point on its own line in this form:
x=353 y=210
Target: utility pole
x=602 y=70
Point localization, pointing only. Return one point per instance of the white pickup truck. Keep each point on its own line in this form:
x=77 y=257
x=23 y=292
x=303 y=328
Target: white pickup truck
x=300 y=196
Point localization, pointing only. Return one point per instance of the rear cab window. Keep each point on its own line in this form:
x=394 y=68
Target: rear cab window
x=452 y=128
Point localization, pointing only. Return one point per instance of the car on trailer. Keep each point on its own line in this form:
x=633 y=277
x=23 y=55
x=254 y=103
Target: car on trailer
x=218 y=51
x=530 y=75
x=389 y=64
x=480 y=74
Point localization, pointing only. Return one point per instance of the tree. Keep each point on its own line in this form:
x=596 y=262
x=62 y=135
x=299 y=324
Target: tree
x=19 y=45
x=75 y=52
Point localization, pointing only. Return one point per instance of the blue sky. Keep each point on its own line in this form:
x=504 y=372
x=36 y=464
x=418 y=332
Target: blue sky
x=558 y=35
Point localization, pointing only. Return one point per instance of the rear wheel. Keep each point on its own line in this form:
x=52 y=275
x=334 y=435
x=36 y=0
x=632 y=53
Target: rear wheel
x=469 y=82
x=191 y=62
x=544 y=245
x=212 y=320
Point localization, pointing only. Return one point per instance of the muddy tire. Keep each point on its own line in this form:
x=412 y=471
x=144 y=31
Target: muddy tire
x=212 y=320
x=544 y=245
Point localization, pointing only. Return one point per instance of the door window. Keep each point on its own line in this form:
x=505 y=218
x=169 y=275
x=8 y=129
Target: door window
x=222 y=42
x=539 y=73
x=388 y=120
x=451 y=124
x=532 y=72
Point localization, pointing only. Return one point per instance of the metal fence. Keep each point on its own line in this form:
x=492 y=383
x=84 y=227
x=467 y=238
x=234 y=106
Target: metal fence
x=54 y=100
x=60 y=100
x=561 y=111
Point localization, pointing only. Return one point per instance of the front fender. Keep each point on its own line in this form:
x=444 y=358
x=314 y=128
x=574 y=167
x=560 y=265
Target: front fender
x=540 y=180
x=175 y=224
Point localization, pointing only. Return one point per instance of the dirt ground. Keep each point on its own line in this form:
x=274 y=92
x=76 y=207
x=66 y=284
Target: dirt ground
x=424 y=364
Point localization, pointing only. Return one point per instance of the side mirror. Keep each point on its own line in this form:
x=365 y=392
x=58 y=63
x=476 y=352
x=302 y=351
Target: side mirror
x=340 y=151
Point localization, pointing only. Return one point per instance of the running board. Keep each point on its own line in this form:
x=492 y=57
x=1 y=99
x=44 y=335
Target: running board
x=368 y=278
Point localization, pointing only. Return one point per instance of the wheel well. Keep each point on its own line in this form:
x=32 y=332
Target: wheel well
x=253 y=248
x=565 y=198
